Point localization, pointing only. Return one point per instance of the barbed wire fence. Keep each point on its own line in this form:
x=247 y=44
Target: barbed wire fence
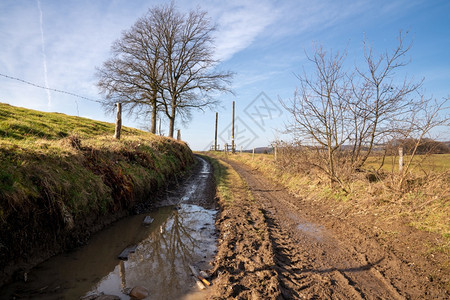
x=119 y=108
x=118 y=124
x=51 y=89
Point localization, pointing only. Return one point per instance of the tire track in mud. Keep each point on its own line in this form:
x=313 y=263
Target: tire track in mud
x=243 y=267
x=310 y=262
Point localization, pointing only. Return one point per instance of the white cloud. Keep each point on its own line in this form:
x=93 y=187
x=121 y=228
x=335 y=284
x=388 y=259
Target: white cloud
x=240 y=23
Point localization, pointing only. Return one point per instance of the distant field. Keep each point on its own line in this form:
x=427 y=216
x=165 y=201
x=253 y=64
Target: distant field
x=421 y=163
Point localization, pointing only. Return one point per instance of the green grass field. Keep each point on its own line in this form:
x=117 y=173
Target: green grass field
x=21 y=125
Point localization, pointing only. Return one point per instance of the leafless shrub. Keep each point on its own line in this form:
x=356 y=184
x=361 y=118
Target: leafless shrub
x=341 y=116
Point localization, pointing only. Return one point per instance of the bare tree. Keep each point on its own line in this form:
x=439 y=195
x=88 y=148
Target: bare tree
x=190 y=79
x=320 y=107
x=134 y=74
x=381 y=102
x=164 y=63
x=345 y=114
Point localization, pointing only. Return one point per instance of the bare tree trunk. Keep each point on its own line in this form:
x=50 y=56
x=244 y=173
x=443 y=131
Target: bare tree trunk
x=154 y=115
x=171 y=126
x=118 y=121
x=275 y=152
x=159 y=127
x=173 y=110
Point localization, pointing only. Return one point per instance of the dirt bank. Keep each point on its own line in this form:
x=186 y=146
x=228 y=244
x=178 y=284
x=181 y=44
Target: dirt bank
x=182 y=234
x=274 y=245
x=55 y=193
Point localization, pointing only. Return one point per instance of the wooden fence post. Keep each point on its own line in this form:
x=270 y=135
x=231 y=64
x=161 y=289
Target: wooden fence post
x=118 y=121
x=400 y=159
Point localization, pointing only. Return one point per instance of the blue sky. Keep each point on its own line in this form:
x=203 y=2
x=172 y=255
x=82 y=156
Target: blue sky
x=59 y=44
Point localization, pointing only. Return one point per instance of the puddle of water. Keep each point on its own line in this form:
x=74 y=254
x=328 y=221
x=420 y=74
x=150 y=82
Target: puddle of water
x=70 y=275
x=179 y=236
x=312 y=230
x=161 y=261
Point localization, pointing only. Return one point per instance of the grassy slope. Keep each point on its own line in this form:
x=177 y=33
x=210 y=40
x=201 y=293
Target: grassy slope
x=58 y=171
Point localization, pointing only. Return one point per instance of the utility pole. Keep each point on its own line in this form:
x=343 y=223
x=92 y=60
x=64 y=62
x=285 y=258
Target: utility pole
x=232 y=133
x=215 y=135
x=118 y=121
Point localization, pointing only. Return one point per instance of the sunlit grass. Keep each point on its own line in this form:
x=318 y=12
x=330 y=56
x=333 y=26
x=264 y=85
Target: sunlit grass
x=420 y=163
x=76 y=163
x=20 y=125
x=426 y=205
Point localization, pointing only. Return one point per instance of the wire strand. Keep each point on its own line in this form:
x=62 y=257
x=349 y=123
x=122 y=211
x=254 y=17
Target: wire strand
x=50 y=89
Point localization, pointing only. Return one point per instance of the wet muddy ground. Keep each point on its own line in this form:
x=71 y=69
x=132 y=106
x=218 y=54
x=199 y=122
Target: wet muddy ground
x=182 y=234
x=275 y=246
x=265 y=244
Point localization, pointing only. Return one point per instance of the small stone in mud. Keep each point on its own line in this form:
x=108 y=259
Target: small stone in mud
x=126 y=252
x=203 y=274
x=147 y=220
x=139 y=292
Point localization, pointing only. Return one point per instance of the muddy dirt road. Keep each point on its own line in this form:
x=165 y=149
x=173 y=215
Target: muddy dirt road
x=303 y=255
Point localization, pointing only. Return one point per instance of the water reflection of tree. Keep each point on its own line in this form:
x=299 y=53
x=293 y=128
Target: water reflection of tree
x=162 y=260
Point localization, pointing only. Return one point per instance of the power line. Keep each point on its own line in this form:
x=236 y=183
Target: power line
x=50 y=89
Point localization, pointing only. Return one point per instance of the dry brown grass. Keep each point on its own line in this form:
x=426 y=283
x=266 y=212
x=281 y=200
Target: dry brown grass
x=424 y=203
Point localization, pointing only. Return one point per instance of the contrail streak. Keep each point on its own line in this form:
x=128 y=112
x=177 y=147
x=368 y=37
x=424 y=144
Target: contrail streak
x=49 y=96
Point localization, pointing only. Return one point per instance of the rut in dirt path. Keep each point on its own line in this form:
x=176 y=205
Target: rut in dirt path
x=312 y=263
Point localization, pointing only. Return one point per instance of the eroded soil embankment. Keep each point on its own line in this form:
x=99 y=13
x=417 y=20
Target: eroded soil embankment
x=182 y=234
x=56 y=201
x=273 y=245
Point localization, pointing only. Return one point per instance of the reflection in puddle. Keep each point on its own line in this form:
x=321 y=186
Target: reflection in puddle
x=161 y=261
